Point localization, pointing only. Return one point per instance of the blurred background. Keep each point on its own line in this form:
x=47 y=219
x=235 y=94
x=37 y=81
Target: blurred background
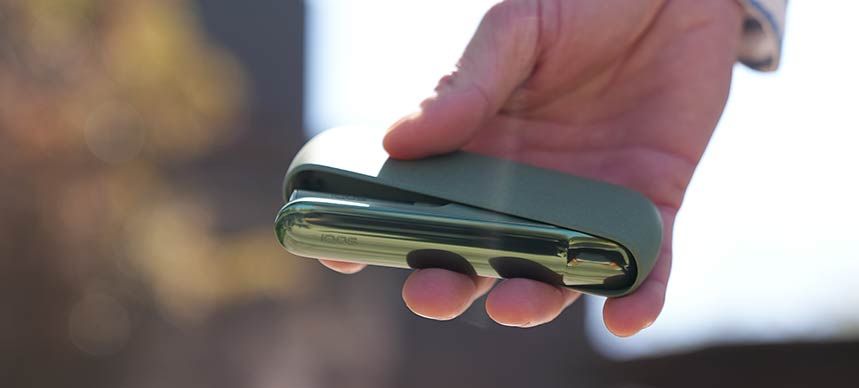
x=142 y=146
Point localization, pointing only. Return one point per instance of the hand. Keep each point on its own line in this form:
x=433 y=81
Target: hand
x=622 y=91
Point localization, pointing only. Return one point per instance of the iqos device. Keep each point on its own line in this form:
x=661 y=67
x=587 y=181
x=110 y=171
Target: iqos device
x=347 y=201
x=450 y=236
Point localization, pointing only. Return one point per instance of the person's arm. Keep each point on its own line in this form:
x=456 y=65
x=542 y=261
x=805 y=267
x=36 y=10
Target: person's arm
x=627 y=92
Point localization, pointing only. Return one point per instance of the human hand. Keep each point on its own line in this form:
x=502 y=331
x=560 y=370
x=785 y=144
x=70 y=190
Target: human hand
x=627 y=92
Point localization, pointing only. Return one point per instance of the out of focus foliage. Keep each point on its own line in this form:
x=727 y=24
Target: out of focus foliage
x=98 y=100
x=131 y=76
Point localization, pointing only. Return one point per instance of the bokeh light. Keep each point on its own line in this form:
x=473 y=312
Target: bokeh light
x=102 y=104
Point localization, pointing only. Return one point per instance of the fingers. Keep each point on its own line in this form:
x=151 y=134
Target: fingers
x=527 y=303
x=432 y=293
x=630 y=314
x=441 y=294
x=500 y=56
x=342 y=266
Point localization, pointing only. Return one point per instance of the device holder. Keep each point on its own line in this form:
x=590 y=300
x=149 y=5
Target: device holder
x=351 y=161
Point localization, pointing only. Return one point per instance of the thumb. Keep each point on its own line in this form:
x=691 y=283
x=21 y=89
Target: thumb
x=498 y=59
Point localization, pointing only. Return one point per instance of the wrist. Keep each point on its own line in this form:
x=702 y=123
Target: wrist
x=762 y=33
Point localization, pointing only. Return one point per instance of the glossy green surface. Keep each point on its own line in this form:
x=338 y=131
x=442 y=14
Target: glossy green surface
x=451 y=236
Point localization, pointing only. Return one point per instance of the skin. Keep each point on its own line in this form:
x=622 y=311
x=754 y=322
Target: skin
x=622 y=91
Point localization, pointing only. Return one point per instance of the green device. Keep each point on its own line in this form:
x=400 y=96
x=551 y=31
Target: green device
x=346 y=200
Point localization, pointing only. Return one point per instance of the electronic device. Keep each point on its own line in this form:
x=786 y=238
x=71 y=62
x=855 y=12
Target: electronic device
x=478 y=215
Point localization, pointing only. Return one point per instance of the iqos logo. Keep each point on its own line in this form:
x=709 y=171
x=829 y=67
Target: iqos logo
x=338 y=239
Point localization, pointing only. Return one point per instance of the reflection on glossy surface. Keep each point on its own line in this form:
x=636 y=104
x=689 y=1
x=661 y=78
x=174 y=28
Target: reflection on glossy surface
x=450 y=236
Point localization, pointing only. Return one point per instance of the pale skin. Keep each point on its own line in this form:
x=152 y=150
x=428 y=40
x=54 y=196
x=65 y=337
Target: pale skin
x=622 y=91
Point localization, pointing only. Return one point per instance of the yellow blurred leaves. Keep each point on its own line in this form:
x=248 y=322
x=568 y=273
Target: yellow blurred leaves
x=186 y=89
x=193 y=270
x=60 y=61
x=97 y=98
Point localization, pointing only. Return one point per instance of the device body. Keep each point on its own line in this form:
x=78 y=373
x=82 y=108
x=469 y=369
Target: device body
x=465 y=212
x=451 y=236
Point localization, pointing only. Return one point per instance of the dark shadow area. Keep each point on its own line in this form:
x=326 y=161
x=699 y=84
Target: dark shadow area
x=436 y=258
x=515 y=267
x=786 y=365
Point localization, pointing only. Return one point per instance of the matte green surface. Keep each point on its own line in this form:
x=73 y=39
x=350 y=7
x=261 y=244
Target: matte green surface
x=352 y=161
